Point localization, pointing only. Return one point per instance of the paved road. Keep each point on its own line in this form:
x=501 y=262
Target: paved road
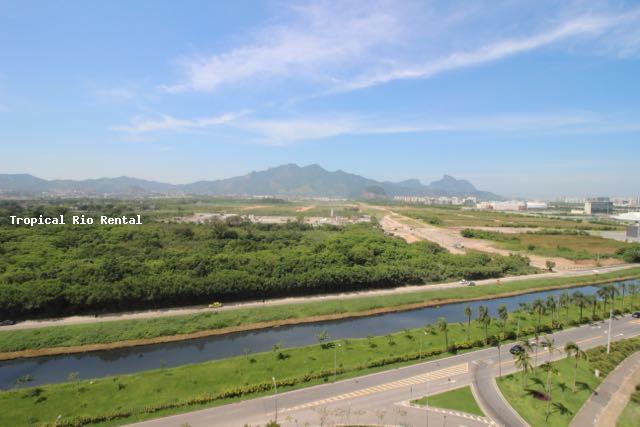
x=489 y=397
x=609 y=399
x=149 y=314
x=382 y=398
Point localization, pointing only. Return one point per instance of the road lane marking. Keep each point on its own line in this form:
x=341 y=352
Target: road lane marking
x=460 y=369
x=587 y=340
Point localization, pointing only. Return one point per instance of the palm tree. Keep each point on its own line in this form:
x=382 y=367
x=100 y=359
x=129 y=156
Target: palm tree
x=633 y=290
x=580 y=300
x=551 y=306
x=523 y=362
x=538 y=307
x=591 y=299
x=468 y=313
x=604 y=294
x=564 y=303
x=503 y=314
x=623 y=288
x=549 y=369
x=484 y=320
x=572 y=350
x=443 y=327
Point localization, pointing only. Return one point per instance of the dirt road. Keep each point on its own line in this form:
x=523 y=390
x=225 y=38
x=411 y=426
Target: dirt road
x=413 y=230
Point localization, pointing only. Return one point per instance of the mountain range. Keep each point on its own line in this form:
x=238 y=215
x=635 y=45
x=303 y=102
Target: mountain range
x=287 y=180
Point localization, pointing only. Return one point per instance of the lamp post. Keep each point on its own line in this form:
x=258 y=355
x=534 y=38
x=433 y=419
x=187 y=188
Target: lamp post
x=275 y=394
x=609 y=333
x=335 y=361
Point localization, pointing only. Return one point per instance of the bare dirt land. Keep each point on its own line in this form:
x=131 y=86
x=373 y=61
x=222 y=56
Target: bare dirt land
x=412 y=230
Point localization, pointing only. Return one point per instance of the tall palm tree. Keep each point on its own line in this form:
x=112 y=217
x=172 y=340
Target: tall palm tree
x=484 y=320
x=503 y=314
x=572 y=350
x=538 y=307
x=604 y=295
x=591 y=299
x=580 y=300
x=633 y=290
x=549 y=369
x=443 y=327
x=468 y=313
x=564 y=303
x=623 y=288
x=523 y=362
x=551 y=305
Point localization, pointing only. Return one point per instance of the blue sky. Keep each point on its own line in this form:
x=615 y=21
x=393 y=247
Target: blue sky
x=537 y=99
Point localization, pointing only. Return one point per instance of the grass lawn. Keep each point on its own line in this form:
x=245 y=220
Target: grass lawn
x=128 y=398
x=528 y=394
x=631 y=413
x=110 y=332
x=562 y=245
x=460 y=399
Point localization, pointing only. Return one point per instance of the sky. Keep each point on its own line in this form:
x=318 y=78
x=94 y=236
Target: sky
x=536 y=99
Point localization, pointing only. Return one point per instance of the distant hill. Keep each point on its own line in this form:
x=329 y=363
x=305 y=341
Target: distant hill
x=286 y=180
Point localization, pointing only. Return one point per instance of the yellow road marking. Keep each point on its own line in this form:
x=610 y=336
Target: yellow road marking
x=588 y=339
x=462 y=368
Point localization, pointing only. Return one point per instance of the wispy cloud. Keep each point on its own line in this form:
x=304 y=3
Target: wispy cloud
x=342 y=48
x=321 y=37
x=292 y=130
x=166 y=123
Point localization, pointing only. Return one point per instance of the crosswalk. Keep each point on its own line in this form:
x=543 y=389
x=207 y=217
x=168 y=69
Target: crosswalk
x=460 y=369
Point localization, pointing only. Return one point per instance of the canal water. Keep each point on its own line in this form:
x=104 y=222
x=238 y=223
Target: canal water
x=55 y=369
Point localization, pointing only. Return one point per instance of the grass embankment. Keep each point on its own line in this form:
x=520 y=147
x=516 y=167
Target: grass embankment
x=549 y=243
x=460 y=399
x=631 y=413
x=123 y=399
x=531 y=397
x=72 y=338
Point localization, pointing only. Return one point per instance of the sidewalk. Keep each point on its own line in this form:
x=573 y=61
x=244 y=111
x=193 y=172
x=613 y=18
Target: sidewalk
x=608 y=401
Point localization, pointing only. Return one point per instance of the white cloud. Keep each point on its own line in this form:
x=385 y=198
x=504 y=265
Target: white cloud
x=165 y=123
x=487 y=53
x=345 y=46
x=287 y=131
x=321 y=37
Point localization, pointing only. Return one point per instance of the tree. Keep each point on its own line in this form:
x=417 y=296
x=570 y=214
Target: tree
x=591 y=299
x=551 y=306
x=572 y=350
x=468 y=313
x=538 y=307
x=564 y=303
x=623 y=288
x=443 y=327
x=550 y=265
x=549 y=369
x=580 y=300
x=503 y=314
x=523 y=362
x=484 y=320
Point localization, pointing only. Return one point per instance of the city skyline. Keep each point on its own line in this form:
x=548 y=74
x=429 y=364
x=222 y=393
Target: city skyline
x=530 y=99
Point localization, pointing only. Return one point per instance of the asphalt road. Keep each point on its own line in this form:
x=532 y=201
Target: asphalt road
x=150 y=314
x=382 y=398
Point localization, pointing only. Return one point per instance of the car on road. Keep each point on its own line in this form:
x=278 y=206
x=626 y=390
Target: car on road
x=215 y=304
x=516 y=349
x=458 y=246
x=7 y=322
x=636 y=315
x=463 y=282
x=471 y=284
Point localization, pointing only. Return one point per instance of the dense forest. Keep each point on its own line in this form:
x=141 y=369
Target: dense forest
x=56 y=270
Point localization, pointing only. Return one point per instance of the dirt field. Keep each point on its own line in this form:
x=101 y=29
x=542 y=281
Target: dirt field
x=413 y=230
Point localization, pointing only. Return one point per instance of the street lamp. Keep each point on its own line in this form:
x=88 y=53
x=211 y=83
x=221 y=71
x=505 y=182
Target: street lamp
x=275 y=394
x=335 y=361
x=421 y=344
x=609 y=334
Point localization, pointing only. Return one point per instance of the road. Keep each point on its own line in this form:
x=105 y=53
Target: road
x=383 y=398
x=152 y=314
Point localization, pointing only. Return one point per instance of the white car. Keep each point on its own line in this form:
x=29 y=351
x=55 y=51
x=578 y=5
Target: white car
x=463 y=282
